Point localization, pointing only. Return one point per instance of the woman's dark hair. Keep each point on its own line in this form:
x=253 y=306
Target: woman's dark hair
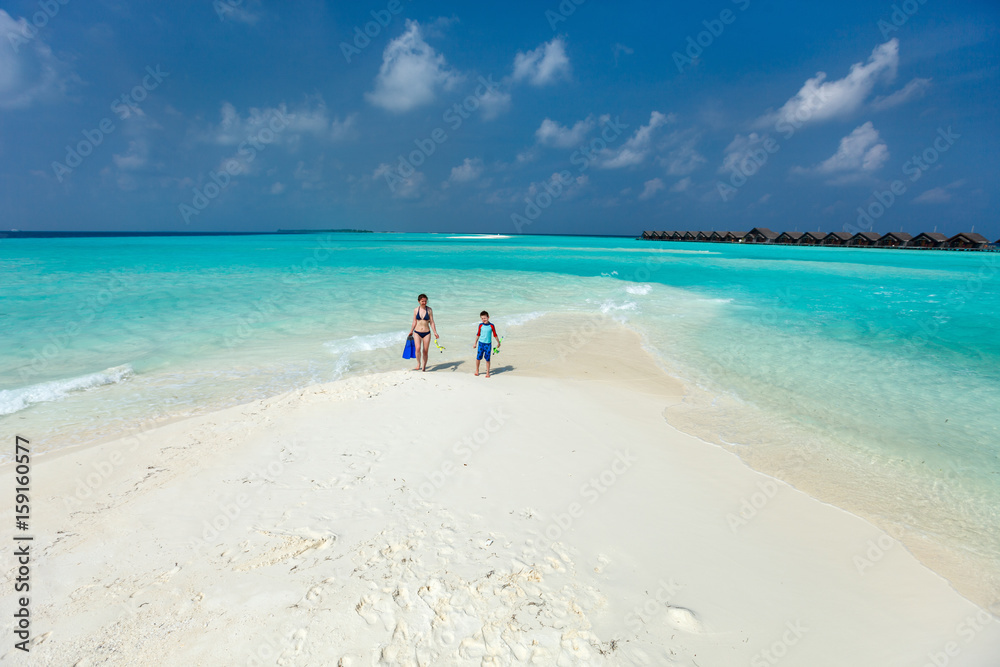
x=484 y=313
x=422 y=296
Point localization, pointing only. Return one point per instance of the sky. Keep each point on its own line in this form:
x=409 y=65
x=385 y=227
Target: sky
x=571 y=117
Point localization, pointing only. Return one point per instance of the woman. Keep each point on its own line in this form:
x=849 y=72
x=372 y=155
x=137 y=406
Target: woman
x=423 y=322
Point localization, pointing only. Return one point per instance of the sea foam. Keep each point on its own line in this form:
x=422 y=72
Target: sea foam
x=15 y=400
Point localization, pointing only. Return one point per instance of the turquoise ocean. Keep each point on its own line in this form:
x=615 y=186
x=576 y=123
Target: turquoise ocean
x=868 y=378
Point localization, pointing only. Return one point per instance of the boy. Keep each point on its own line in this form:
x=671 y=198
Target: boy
x=484 y=338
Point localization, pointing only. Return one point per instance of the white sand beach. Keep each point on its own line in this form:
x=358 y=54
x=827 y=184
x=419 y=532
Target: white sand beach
x=548 y=515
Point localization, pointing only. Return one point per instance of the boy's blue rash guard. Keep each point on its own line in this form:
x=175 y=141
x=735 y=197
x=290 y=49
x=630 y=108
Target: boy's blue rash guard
x=485 y=335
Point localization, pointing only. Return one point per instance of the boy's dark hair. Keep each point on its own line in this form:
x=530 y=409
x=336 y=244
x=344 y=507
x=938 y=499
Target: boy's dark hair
x=484 y=313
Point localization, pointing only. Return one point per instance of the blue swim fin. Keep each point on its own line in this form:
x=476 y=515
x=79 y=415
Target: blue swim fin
x=410 y=349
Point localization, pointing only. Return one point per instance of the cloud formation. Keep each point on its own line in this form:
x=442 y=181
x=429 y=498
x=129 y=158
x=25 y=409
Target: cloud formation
x=651 y=187
x=469 y=170
x=860 y=151
x=915 y=89
x=411 y=73
x=819 y=100
x=681 y=185
x=234 y=129
x=739 y=150
x=543 y=66
x=551 y=133
x=638 y=146
x=29 y=72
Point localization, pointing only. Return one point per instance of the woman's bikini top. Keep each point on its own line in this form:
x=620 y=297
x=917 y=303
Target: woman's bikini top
x=427 y=314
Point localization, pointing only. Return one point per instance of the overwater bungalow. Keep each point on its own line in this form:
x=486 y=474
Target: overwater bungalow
x=812 y=238
x=688 y=236
x=836 y=238
x=674 y=236
x=864 y=239
x=967 y=241
x=789 y=238
x=648 y=235
x=760 y=235
x=927 y=240
x=717 y=237
x=703 y=236
x=894 y=240
x=735 y=237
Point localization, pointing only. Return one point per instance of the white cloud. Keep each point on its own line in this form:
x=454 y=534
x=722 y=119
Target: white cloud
x=681 y=185
x=285 y=126
x=544 y=65
x=469 y=170
x=933 y=196
x=134 y=158
x=940 y=195
x=651 y=187
x=343 y=129
x=29 y=72
x=620 y=49
x=230 y=10
x=915 y=89
x=740 y=150
x=401 y=188
x=862 y=150
x=277 y=188
x=411 y=73
x=551 y=133
x=494 y=102
x=528 y=155
x=685 y=158
x=820 y=100
x=637 y=148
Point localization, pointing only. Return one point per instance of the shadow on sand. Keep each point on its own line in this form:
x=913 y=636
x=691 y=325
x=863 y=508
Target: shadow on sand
x=498 y=369
x=449 y=365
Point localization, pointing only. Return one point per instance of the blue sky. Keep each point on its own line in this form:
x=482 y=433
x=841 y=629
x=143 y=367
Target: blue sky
x=541 y=117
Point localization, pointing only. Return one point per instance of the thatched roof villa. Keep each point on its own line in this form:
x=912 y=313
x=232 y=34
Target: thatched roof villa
x=967 y=241
x=789 y=238
x=864 y=239
x=960 y=241
x=760 y=235
x=812 y=238
x=927 y=240
x=894 y=240
x=836 y=238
